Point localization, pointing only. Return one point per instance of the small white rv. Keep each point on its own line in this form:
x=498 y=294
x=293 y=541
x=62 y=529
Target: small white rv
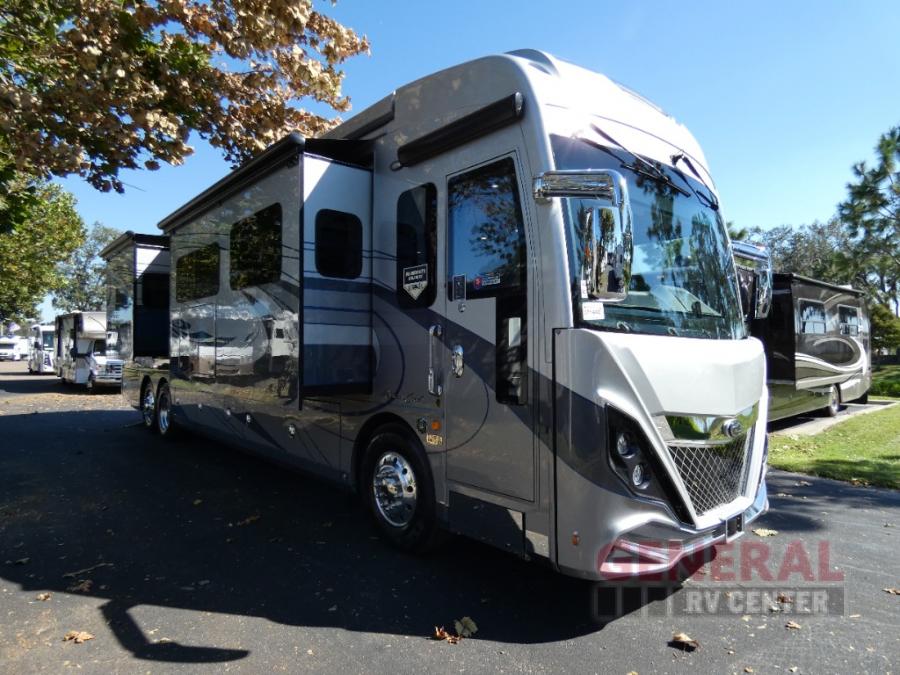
x=501 y=301
x=42 y=349
x=81 y=351
x=13 y=348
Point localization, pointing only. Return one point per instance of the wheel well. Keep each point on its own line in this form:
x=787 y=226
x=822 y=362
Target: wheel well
x=365 y=435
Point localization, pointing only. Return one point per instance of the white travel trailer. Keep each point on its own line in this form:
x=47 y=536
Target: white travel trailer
x=13 y=348
x=502 y=302
x=81 y=351
x=137 y=312
x=42 y=349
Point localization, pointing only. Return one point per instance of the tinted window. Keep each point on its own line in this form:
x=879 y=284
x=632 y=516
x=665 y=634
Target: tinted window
x=812 y=317
x=153 y=291
x=849 y=320
x=487 y=238
x=256 y=249
x=338 y=244
x=417 y=246
x=197 y=274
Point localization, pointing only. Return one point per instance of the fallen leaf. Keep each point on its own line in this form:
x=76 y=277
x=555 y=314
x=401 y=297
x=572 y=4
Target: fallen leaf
x=83 y=586
x=855 y=616
x=684 y=642
x=763 y=532
x=43 y=597
x=804 y=483
x=198 y=502
x=465 y=627
x=748 y=669
x=78 y=636
x=792 y=669
x=784 y=599
x=22 y=561
x=441 y=634
x=792 y=625
x=892 y=591
x=247 y=520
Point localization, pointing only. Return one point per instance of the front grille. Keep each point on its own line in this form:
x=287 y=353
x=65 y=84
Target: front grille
x=713 y=474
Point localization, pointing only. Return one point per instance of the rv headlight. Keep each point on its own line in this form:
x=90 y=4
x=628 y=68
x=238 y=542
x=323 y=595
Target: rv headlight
x=632 y=458
x=625 y=444
x=639 y=476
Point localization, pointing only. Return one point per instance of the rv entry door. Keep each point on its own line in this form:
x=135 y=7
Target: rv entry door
x=489 y=410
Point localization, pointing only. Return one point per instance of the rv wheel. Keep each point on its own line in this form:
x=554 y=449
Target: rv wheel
x=396 y=484
x=834 y=401
x=148 y=406
x=163 y=411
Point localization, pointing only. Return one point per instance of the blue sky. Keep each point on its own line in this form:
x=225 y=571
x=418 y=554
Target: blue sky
x=783 y=96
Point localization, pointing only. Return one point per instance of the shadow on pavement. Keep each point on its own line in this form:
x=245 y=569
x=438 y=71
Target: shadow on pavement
x=188 y=524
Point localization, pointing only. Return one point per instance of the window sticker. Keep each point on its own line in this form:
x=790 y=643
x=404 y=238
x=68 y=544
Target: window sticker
x=415 y=280
x=592 y=311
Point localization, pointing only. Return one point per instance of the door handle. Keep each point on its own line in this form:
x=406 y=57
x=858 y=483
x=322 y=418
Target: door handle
x=434 y=388
x=457 y=362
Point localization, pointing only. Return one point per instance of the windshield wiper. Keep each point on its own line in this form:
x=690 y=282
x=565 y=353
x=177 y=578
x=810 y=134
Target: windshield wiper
x=646 y=168
x=709 y=199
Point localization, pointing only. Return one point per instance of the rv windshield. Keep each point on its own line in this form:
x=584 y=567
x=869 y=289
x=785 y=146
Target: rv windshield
x=683 y=279
x=47 y=340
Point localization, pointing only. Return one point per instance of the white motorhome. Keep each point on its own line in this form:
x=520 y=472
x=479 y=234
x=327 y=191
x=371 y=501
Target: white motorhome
x=500 y=301
x=81 y=351
x=13 y=348
x=42 y=349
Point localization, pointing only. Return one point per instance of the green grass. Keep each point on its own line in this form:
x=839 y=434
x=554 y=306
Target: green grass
x=864 y=449
x=885 y=381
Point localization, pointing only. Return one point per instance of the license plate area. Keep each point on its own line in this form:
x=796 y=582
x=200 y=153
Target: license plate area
x=734 y=527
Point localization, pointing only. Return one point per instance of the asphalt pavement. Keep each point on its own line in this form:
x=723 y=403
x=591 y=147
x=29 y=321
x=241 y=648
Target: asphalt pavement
x=189 y=556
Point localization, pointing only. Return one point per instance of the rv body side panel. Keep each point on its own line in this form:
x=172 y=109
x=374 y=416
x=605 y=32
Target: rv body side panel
x=42 y=349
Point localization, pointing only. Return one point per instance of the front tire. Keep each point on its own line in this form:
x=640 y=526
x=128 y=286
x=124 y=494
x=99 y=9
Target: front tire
x=163 y=411
x=834 y=402
x=398 y=489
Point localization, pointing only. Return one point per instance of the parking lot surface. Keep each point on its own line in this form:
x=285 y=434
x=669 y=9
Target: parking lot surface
x=187 y=555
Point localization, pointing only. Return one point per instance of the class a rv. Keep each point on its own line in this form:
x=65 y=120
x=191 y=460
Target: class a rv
x=81 y=356
x=137 y=314
x=42 y=349
x=500 y=301
x=816 y=340
x=13 y=348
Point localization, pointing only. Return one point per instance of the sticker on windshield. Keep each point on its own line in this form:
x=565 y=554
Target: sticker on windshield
x=584 y=289
x=593 y=311
x=415 y=280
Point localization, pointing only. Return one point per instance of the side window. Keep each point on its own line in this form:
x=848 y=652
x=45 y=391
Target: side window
x=197 y=274
x=848 y=318
x=338 y=244
x=153 y=290
x=256 y=249
x=812 y=317
x=417 y=246
x=487 y=236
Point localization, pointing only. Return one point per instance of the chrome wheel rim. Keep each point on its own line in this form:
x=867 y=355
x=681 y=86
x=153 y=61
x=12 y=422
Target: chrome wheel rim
x=833 y=401
x=163 y=413
x=147 y=409
x=394 y=486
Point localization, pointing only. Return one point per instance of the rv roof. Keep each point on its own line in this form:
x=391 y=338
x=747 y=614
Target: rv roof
x=128 y=238
x=790 y=276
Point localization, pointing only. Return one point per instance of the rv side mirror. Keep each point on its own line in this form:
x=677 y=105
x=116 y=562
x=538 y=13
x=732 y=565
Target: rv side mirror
x=754 y=270
x=37 y=345
x=600 y=211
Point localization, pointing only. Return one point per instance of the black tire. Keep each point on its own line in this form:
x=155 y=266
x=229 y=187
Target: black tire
x=421 y=532
x=148 y=407
x=834 y=402
x=163 y=412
